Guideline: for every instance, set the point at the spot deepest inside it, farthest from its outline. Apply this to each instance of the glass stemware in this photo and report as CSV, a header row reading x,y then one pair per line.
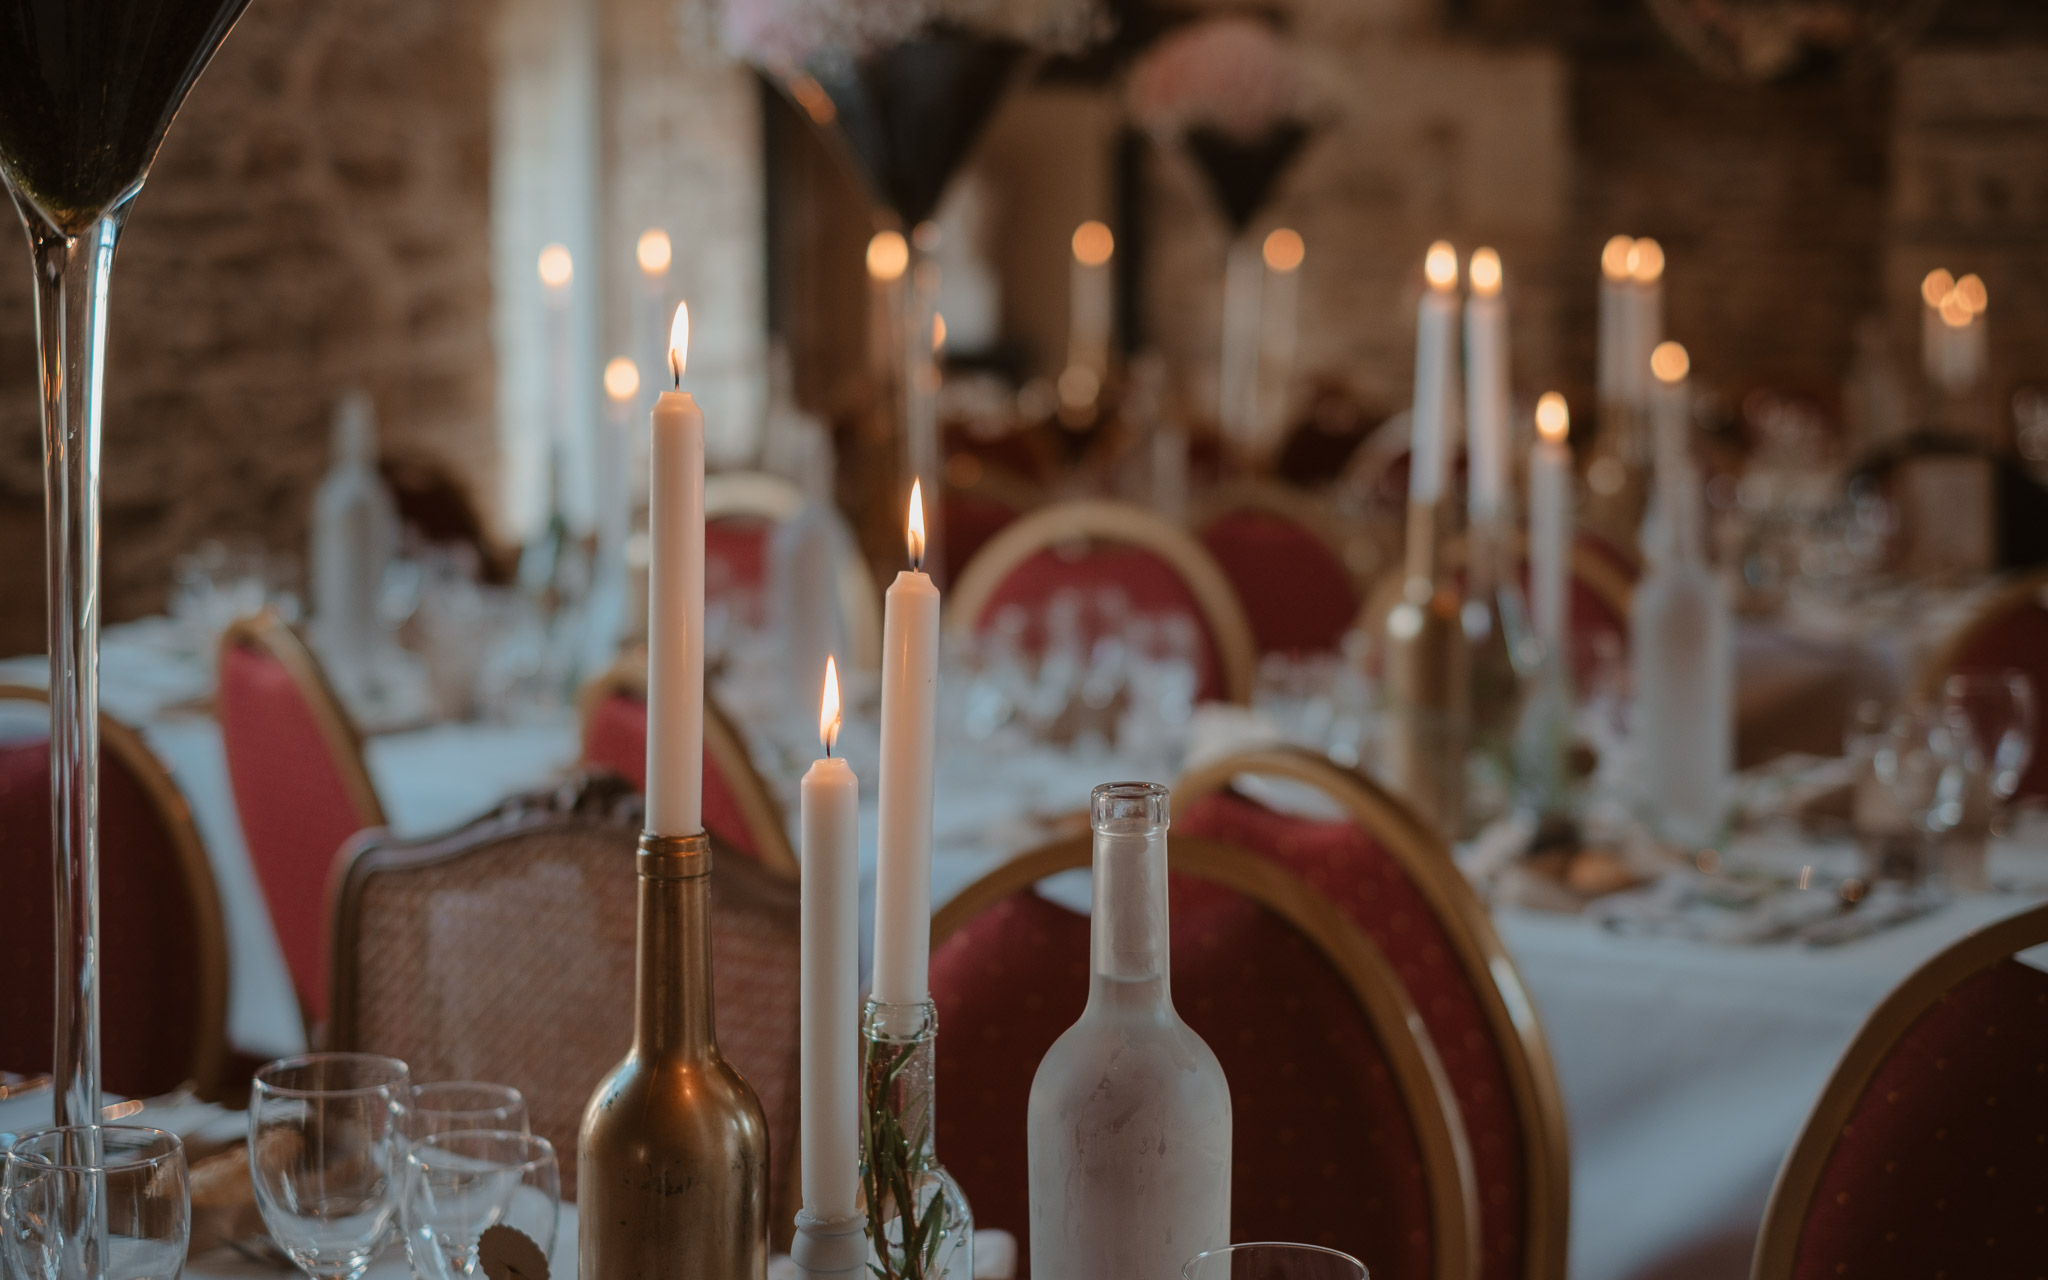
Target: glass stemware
x,y
1273,1261
448,1106
462,1184
325,1153
2000,711
95,1202
87,89
1927,762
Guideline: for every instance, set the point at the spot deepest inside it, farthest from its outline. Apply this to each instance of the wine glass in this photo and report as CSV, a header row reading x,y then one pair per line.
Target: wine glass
x,y
451,1105
95,1202
1927,763
465,1185
1272,1260
2000,710
87,89
325,1143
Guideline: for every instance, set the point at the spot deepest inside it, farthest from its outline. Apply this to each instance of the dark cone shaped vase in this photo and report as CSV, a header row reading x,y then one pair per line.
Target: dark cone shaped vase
x,y
1242,174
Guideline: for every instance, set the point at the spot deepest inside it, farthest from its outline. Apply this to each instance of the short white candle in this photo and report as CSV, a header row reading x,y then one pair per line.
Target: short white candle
x,y
1550,523
830,980
910,682
1486,386
675,603
1435,331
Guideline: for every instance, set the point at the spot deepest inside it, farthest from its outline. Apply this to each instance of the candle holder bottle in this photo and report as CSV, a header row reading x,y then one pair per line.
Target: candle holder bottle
x,y
1128,1127
672,1158
919,1224
1428,681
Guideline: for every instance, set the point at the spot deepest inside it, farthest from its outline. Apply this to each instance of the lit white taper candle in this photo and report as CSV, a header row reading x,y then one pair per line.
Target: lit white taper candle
x,y
1550,522
1435,332
675,603
1646,316
1615,316
1486,386
1670,414
910,684
1090,305
830,981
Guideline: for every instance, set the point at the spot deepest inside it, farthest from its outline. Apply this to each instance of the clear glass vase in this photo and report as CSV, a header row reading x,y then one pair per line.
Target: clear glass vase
x,y
919,1223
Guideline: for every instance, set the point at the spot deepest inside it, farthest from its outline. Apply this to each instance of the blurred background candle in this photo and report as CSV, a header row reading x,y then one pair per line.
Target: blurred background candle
x,y
1550,522
1486,386
1279,307
1090,303
830,808
1670,414
910,680
1614,322
675,603
606,617
1646,318
654,254
1435,331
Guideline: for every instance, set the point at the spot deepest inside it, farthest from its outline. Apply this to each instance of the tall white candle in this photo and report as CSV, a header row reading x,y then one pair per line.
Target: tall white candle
x,y
1279,320
1646,316
1550,522
1486,386
910,683
1614,322
830,979
654,254
1435,331
557,275
675,604
1670,413
1090,306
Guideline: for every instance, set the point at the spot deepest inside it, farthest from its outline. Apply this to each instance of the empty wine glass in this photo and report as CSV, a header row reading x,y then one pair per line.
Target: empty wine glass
x,y
94,1202
463,1184
324,1152
1925,762
1272,1260
2000,710
451,1105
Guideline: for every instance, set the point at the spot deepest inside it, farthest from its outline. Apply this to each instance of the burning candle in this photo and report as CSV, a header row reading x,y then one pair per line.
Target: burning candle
x,y
1614,321
655,255
1434,334
1279,303
675,604
1670,410
910,682
1646,316
830,978
1486,386
1550,521
1090,309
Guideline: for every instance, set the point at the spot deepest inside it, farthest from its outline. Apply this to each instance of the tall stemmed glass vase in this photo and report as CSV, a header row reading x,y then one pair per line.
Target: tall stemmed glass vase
x,y
87,89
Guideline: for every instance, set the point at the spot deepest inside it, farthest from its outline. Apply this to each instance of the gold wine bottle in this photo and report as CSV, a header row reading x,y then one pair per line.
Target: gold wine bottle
x,y
1428,681
672,1160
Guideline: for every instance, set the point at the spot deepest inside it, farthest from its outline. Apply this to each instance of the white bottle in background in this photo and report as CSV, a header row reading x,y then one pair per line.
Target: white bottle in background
x,y
354,536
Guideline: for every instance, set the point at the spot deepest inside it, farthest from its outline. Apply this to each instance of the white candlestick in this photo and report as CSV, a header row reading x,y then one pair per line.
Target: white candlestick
x,y
675,605
1486,387
1435,331
830,981
903,874
1646,317
1090,306
1550,523
1614,322
1670,411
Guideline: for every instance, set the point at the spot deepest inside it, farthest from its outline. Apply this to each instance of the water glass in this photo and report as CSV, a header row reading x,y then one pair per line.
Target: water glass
x,y
1272,1260
94,1202
452,1105
326,1155
1925,762
462,1184
2000,710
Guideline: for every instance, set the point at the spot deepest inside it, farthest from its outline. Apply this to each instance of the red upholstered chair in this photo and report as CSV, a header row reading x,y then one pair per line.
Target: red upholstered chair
x,y
1090,544
1286,571
301,790
1381,866
738,807
1926,1154
1343,1130
163,951
741,510
2008,631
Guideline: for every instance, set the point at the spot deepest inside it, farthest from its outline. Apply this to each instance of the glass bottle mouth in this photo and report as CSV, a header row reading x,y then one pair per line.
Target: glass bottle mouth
x,y
1129,808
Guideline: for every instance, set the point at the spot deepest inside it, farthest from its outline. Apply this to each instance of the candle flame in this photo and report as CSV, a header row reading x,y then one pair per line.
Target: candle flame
x,y
1937,284
1485,272
621,379
1553,418
557,268
1956,313
1093,243
1646,261
1441,266
1669,362
828,708
679,343
915,535
1284,250
1614,257
654,251
1970,291
938,331
888,255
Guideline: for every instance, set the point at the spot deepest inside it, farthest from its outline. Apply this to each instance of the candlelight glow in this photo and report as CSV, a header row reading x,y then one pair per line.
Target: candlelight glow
x,y
679,342
1669,362
1970,291
938,331
811,96
557,268
1093,243
1284,250
1937,284
1553,419
1614,257
915,534
622,379
828,708
1955,313
1441,266
888,255
654,251
1646,261
1484,272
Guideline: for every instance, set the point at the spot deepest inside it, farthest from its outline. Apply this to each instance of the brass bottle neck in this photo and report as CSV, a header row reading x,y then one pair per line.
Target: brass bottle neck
x,y
672,1000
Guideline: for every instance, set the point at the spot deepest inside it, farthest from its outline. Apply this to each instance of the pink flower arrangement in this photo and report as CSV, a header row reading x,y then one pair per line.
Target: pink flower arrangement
x,y
1231,73
785,35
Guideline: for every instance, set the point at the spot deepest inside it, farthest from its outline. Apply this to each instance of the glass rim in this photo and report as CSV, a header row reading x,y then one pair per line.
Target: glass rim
x,y
538,1149
17,1154
2004,676
1294,1245
260,1080
506,1096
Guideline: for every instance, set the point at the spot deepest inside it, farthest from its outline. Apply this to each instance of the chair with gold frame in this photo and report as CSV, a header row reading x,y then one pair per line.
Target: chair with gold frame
x,y
163,944
1383,867
1293,566
295,765
1092,541
1010,973
759,495
1925,1152
738,807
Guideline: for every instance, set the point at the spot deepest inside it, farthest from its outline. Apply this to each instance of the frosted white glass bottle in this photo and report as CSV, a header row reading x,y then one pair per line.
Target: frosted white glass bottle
x,y
1129,1121
355,533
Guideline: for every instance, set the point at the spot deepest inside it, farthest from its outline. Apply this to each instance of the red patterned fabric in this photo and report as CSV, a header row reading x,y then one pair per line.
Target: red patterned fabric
x,y
2017,640
1942,1169
1148,580
1599,547
969,521
149,940
616,739
1343,862
1293,587
294,803
736,565
1322,1149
